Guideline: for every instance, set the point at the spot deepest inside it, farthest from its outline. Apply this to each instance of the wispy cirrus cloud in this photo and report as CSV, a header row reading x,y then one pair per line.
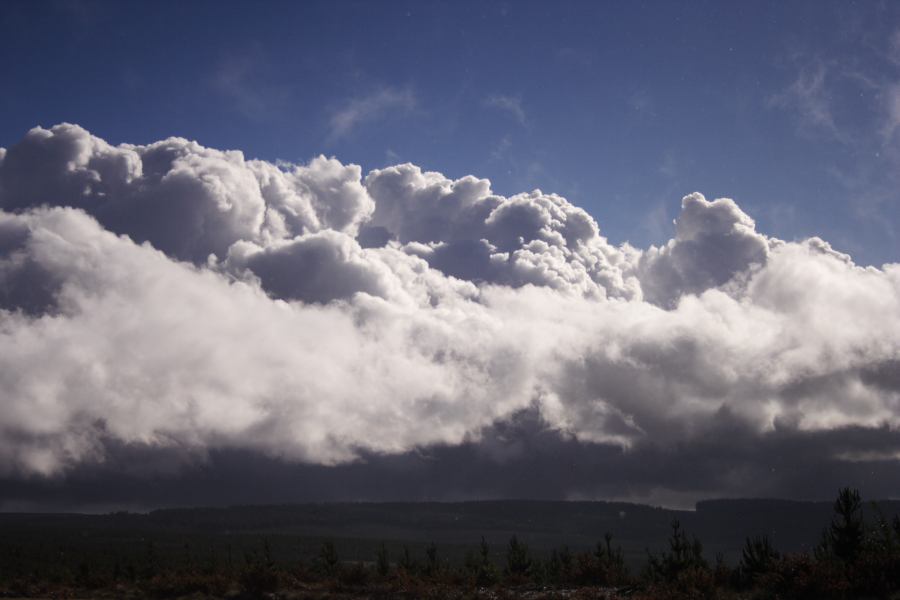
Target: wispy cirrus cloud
x,y
853,104
371,107
809,96
825,93
243,80
894,50
892,112
512,105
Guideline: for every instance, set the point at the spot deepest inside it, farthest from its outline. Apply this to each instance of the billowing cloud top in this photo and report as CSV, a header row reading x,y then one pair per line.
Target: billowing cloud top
x,y
176,296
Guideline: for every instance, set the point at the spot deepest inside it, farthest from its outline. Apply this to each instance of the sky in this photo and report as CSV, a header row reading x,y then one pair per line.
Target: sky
x,y
790,108
447,250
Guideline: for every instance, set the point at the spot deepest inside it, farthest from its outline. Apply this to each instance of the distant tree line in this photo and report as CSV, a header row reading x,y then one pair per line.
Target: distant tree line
x,y
855,558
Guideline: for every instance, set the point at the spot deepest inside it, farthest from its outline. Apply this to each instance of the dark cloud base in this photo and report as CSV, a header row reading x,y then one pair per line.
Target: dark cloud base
x,y
519,459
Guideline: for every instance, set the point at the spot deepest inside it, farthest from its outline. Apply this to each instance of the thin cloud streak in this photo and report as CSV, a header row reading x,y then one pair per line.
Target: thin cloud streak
x,y
809,96
511,105
367,109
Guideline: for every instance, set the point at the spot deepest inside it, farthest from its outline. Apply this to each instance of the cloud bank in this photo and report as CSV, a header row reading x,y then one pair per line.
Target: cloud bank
x,y
183,300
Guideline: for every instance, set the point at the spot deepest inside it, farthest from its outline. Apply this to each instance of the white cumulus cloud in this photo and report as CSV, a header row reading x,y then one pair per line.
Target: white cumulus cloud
x,y
176,296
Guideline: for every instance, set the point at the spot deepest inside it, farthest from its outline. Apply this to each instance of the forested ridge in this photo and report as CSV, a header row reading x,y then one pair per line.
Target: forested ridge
x,y
725,548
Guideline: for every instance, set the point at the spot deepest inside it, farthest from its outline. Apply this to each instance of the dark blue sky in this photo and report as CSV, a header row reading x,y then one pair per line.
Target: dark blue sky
x,y
790,108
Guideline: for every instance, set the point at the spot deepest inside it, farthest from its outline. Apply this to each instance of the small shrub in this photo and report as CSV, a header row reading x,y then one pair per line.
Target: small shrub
x,y
258,577
518,560
480,567
406,563
757,558
684,554
432,564
383,561
354,575
329,562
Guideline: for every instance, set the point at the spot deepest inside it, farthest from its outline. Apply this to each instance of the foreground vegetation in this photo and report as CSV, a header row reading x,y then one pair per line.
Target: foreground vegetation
x,y
857,556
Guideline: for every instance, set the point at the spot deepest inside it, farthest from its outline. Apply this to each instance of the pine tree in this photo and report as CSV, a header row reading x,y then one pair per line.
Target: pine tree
x,y
843,539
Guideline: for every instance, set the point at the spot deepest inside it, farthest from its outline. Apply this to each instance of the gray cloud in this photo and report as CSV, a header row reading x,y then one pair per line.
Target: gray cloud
x,y
186,200
714,242
178,301
318,267
534,238
518,458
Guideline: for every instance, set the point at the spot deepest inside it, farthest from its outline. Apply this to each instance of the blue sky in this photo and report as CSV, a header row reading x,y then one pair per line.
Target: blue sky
x,y
790,108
